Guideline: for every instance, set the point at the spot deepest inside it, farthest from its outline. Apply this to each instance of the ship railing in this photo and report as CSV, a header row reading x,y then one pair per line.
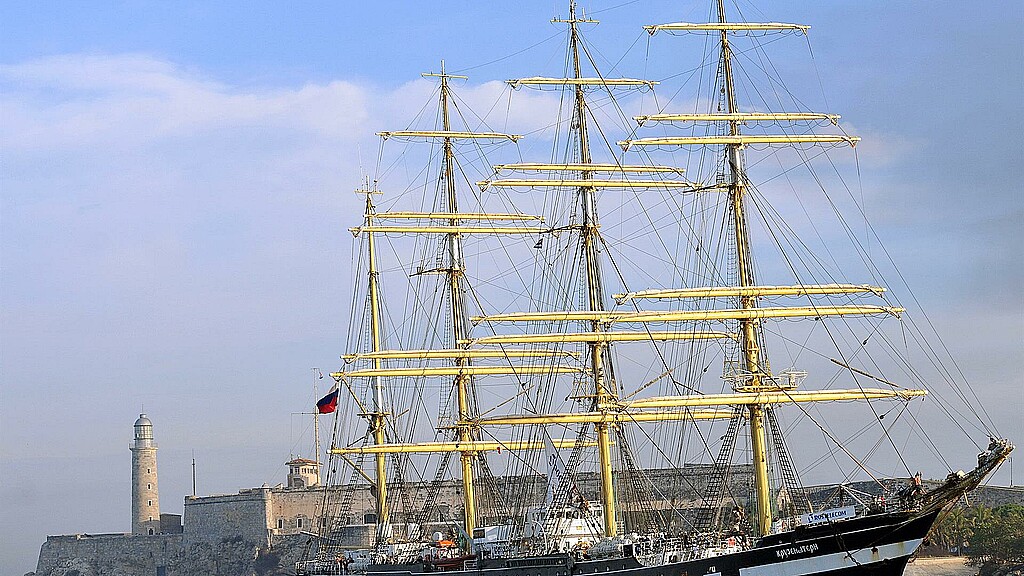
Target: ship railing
x,y
895,496
499,550
835,510
660,551
318,568
721,550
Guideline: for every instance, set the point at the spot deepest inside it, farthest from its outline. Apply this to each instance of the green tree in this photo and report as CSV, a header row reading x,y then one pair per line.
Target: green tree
x,y
953,529
998,536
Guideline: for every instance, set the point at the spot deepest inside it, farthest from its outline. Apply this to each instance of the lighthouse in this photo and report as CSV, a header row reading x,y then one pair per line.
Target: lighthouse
x,y
145,499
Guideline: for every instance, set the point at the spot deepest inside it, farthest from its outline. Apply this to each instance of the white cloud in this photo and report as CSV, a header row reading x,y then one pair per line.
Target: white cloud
x,y
124,101
158,222
883,148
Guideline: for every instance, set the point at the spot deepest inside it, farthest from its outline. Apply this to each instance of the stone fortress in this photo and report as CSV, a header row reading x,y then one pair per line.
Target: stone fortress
x,y
265,530
220,534
254,531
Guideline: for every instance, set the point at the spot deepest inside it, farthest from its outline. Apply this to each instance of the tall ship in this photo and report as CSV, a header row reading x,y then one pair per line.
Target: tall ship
x,y
559,339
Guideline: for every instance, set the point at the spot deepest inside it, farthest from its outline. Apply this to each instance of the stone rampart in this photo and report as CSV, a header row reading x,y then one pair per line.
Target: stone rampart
x,y
165,555
108,555
246,515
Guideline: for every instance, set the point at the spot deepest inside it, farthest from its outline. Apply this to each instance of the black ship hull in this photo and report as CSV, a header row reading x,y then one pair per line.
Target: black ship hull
x,y
878,545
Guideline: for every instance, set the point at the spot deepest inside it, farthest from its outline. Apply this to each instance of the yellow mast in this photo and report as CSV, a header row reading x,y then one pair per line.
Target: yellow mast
x,y
378,416
462,367
749,328
460,323
754,374
604,391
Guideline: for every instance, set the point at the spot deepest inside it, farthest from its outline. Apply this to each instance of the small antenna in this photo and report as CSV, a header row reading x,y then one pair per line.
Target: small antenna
x,y
193,473
359,157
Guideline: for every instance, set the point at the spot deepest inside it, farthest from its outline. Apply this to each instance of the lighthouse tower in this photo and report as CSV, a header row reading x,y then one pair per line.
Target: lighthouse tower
x,y
145,501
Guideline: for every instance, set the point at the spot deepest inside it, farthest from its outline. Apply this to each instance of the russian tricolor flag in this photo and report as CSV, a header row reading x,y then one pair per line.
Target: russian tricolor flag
x,y
328,403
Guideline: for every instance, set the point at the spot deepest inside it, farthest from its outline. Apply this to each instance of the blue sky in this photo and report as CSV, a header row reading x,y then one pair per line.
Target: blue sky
x,y
175,191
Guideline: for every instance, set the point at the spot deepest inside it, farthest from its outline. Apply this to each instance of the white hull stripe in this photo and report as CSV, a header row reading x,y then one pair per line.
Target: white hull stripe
x,y
835,561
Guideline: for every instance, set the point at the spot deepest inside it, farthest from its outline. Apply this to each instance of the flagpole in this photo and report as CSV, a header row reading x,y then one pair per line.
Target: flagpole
x,y
316,426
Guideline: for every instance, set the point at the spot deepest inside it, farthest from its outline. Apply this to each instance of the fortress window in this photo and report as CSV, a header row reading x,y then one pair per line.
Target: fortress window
x,y
280,523
150,503
298,522
149,486
150,531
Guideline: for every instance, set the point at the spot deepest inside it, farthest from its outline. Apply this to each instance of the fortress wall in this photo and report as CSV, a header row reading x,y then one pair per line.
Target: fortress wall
x,y
995,496
673,489
295,510
164,555
211,519
363,503
107,554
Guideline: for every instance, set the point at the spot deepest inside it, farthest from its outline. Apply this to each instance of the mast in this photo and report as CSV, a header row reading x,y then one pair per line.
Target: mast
x,y
377,417
750,327
604,391
459,319
605,395
450,230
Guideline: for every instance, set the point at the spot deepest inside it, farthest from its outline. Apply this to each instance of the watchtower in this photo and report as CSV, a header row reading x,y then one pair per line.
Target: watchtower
x,y
303,473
